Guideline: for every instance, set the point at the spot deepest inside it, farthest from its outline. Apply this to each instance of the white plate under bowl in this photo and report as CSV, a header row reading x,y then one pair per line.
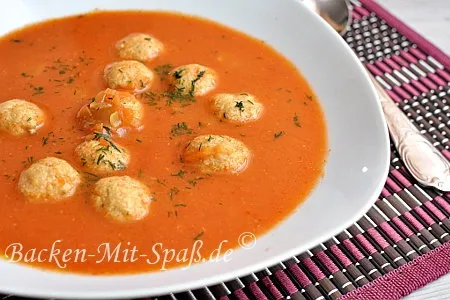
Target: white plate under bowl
x,y
355,172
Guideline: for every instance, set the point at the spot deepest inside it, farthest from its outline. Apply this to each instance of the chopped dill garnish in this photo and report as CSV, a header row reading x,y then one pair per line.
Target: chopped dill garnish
x,y
91,176
100,158
180,205
37,90
106,136
179,174
161,182
194,182
180,129
173,191
199,75
199,235
296,120
240,106
103,149
177,73
177,95
163,70
151,97
278,134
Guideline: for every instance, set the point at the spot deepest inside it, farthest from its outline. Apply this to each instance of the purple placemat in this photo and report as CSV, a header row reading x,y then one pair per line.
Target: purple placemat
x,y
402,242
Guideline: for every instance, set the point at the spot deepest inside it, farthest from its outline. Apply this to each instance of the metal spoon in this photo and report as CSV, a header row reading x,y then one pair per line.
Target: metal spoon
x,y
426,164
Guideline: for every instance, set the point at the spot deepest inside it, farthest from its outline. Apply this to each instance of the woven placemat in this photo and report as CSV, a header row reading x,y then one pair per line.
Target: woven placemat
x,y
401,243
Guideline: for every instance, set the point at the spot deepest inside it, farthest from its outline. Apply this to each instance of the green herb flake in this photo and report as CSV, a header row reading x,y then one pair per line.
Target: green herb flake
x,y
240,105
100,158
180,129
150,97
296,121
179,174
37,90
139,140
106,136
177,73
278,134
180,205
177,95
163,70
193,82
91,176
161,182
173,191
199,235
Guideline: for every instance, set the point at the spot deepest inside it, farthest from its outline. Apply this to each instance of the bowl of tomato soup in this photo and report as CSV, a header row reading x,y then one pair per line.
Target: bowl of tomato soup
x,y
150,147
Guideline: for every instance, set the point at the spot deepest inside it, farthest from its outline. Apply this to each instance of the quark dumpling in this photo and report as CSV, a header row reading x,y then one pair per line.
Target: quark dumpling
x,y
193,79
217,154
102,156
19,117
240,107
114,109
49,180
128,75
122,198
139,46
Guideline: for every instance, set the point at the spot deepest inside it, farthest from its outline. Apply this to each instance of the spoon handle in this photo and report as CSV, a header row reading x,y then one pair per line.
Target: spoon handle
x,y
422,159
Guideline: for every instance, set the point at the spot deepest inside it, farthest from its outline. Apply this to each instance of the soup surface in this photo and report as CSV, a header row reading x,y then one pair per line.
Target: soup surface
x,y
59,66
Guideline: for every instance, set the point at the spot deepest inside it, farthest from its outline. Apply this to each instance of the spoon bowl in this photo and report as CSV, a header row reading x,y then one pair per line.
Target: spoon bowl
x,y
335,13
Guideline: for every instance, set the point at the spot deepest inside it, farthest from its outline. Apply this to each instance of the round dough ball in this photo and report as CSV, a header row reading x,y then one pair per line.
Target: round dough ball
x,y
102,157
217,154
114,109
139,46
242,107
49,180
19,117
193,79
122,198
128,75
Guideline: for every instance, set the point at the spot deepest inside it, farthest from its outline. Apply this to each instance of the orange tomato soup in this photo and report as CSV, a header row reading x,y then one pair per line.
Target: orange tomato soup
x,y
59,65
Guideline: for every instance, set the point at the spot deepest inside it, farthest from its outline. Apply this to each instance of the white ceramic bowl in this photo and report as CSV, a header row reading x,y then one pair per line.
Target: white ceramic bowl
x,y
358,139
